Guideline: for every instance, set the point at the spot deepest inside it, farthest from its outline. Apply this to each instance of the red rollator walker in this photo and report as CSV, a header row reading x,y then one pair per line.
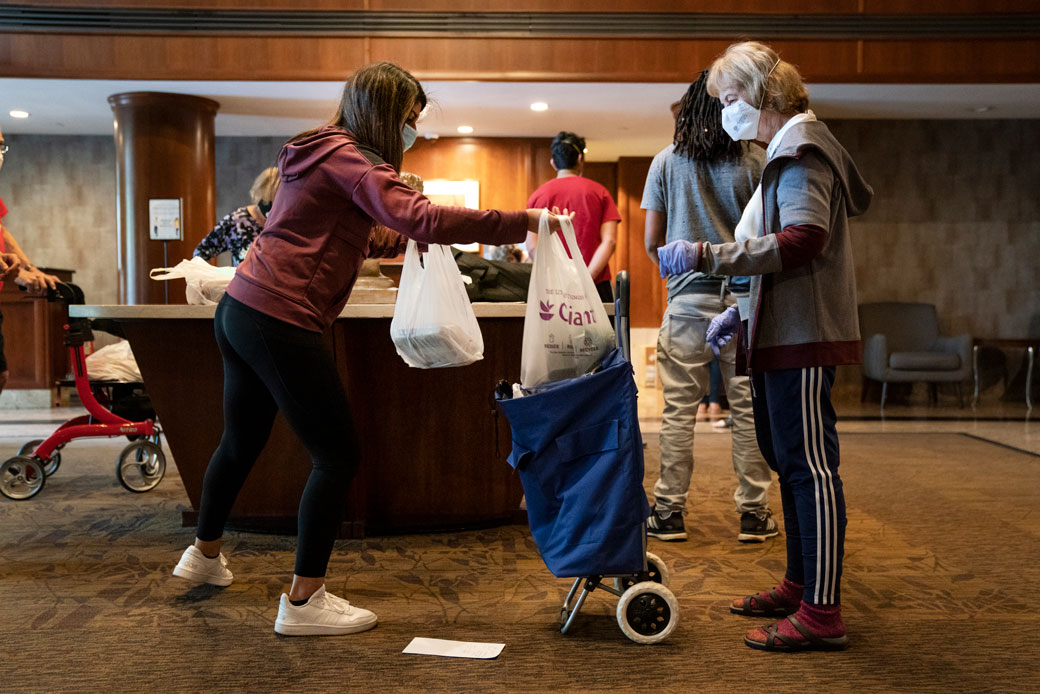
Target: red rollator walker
x,y
140,466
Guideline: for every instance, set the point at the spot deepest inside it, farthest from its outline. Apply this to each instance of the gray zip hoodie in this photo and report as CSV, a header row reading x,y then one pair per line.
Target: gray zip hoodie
x,y
804,315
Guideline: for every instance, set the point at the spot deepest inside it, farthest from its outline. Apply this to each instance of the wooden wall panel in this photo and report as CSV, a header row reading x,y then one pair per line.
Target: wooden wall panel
x,y
951,61
648,295
684,6
179,57
604,173
537,59
680,6
948,6
619,60
508,169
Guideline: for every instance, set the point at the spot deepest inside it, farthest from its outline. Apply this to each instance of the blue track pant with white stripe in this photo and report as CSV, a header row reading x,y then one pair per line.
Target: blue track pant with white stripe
x,y
795,426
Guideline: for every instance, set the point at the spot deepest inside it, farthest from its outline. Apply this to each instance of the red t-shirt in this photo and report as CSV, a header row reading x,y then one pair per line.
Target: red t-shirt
x,y
591,204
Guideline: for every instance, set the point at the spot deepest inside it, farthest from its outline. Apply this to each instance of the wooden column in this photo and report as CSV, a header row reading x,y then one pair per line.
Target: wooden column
x,y
164,150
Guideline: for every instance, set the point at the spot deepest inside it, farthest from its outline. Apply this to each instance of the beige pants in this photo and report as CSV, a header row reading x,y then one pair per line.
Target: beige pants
x,y
682,362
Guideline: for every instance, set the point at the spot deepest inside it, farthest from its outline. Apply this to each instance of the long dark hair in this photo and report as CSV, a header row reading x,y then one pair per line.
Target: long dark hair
x,y
698,126
376,102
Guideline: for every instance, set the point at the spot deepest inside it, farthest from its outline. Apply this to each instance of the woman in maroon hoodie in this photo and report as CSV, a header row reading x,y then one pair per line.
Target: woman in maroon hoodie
x,y
337,182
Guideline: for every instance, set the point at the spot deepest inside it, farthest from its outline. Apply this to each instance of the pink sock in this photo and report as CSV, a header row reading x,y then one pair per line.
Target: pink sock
x,y
789,591
822,620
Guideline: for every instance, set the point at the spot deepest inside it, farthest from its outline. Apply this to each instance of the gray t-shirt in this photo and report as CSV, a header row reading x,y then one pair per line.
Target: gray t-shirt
x,y
703,201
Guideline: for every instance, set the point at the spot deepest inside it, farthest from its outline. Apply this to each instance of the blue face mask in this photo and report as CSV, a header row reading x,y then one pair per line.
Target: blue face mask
x,y
409,134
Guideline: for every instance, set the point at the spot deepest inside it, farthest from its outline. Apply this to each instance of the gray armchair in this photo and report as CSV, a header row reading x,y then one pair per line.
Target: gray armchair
x,y
901,344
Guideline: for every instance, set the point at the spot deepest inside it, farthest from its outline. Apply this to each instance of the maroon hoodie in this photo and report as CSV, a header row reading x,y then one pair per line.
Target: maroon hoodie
x,y
302,266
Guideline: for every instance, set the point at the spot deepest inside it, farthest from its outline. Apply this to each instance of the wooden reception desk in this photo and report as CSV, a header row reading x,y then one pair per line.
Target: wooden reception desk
x,y
433,444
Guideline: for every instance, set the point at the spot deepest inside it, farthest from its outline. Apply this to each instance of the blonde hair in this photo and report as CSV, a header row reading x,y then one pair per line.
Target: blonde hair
x,y
413,181
760,76
265,185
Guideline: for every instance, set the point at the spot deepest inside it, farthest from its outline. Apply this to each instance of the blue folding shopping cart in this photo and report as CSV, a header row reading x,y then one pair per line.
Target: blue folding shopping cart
x,y
579,453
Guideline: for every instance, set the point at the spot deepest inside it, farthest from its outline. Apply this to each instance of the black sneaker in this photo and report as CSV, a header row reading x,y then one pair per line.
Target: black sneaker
x,y
666,526
755,528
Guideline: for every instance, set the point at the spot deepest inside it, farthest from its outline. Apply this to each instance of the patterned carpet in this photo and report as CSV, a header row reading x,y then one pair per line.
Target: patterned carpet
x,y
939,592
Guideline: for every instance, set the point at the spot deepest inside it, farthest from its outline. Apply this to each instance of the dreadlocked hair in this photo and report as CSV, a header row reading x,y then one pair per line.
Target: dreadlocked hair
x,y
698,126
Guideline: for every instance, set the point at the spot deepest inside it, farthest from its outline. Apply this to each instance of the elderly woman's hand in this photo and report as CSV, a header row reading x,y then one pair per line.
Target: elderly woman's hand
x,y
722,329
678,257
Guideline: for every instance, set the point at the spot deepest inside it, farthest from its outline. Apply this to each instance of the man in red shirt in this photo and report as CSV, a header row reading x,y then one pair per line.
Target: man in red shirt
x,y
595,214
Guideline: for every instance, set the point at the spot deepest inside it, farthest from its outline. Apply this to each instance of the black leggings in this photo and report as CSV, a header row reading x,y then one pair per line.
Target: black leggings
x,y
272,366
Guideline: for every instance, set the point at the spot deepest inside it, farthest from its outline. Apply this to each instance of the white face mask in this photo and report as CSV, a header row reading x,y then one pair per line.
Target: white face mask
x,y
1,160
740,120
409,134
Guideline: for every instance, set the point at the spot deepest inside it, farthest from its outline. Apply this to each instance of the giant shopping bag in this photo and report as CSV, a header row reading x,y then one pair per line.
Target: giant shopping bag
x,y
566,329
579,453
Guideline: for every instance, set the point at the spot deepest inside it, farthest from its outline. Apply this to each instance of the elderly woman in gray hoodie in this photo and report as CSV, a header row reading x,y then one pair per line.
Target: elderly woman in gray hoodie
x,y
802,323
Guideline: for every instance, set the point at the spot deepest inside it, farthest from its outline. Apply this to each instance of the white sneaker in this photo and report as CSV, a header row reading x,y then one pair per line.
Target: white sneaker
x,y
323,614
198,568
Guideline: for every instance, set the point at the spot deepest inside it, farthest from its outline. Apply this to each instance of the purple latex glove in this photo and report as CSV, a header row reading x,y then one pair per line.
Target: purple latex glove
x,y
722,328
678,257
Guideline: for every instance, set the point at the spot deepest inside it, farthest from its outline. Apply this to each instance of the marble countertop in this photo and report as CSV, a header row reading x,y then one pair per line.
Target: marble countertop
x,y
184,311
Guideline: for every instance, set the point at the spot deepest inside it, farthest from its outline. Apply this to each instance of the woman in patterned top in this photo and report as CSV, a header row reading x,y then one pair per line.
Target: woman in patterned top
x,y
235,233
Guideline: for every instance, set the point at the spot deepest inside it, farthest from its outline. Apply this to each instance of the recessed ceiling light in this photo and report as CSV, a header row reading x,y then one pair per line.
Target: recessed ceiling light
x,y
19,114
539,106
465,129
981,109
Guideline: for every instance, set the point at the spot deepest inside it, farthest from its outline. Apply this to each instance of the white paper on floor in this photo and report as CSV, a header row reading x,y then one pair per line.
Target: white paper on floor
x,y
454,649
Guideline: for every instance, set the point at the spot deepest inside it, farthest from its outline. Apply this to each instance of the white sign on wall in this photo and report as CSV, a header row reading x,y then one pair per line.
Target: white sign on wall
x,y
164,219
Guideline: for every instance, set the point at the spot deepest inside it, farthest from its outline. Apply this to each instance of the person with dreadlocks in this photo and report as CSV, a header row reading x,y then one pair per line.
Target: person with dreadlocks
x,y
696,189
593,210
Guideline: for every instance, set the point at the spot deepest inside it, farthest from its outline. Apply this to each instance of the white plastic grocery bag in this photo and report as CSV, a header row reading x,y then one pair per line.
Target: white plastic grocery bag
x,y
434,325
205,283
566,329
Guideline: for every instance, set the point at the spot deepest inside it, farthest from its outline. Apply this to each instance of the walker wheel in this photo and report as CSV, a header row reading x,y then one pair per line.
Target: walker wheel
x,y
647,612
21,477
141,466
49,466
657,569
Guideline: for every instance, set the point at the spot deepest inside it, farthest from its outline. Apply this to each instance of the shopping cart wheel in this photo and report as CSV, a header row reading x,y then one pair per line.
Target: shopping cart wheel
x,y
21,477
49,466
647,612
657,569
141,466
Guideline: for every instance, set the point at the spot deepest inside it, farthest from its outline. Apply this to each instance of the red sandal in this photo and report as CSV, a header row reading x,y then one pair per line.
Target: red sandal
x,y
775,641
769,604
